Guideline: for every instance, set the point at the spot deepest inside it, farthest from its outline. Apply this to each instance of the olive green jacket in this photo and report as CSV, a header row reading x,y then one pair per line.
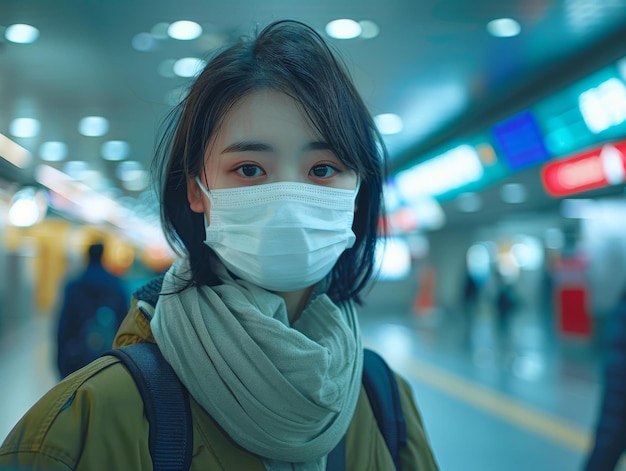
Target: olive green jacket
x,y
93,420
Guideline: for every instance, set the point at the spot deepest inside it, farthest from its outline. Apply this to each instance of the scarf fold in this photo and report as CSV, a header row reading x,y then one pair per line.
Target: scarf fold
x,y
284,392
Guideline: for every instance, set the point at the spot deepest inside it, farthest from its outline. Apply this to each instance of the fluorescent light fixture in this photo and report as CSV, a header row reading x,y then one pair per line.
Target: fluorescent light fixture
x,y
188,66
21,34
604,106
53,151
93,126
343,29
115,150
452,169
388,123
14,153
184,30
24,127
503,27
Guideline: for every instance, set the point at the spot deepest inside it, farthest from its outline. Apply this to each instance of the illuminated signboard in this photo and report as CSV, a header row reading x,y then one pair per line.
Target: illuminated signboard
x,y
594,169
520,141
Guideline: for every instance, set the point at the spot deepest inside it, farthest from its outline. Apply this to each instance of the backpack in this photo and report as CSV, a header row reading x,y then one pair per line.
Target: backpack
x,y
166,405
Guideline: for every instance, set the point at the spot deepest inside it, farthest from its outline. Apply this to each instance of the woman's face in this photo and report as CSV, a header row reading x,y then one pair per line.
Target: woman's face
x,y
266,138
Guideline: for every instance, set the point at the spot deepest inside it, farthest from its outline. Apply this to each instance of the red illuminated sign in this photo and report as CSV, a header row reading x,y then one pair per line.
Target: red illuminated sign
x,y
597,168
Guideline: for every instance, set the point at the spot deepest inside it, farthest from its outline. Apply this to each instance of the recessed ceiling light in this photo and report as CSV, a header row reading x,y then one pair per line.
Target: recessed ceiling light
x,y
343,29
504,27
166,68
75,169
115,150
24,127
143,42
21,34
369,29
53,151
184,30
188,66
159,30
93,126
389,123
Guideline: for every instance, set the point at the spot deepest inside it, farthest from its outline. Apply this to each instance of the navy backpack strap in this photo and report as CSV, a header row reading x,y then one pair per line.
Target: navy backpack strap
x,y
166,405
382,390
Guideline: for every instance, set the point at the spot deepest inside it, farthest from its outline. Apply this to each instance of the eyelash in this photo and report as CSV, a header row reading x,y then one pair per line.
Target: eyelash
x,y
242,168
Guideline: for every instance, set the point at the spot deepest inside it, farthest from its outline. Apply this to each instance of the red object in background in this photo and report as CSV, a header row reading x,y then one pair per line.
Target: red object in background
x,y
571,296
596,168
573,316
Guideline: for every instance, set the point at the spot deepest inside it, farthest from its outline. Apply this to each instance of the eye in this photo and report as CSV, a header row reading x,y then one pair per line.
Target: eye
x,y
249,170
323,171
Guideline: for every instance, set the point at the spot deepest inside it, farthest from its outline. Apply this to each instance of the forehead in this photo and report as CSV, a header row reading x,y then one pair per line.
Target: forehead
x,y
268,114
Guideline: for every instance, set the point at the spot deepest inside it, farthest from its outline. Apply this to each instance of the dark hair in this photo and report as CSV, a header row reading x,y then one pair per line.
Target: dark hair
x,y
290,57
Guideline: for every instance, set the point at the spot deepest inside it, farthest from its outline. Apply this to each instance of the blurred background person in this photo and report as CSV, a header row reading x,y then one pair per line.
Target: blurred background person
x,y
94,305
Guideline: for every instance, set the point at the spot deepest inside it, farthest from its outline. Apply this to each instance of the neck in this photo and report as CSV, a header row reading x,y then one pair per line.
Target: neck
x,y
296,302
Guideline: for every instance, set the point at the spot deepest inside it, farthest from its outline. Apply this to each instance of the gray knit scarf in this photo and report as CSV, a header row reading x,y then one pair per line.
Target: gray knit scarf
x,y
284,392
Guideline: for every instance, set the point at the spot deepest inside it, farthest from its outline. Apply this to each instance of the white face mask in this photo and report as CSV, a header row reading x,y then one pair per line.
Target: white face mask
x,y
280,236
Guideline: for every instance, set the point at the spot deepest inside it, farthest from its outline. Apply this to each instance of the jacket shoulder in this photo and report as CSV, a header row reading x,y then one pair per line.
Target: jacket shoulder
x,y
71,427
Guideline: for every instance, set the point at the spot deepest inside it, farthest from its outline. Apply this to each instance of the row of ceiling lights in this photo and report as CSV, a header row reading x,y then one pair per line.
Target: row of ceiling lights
x,y
96,126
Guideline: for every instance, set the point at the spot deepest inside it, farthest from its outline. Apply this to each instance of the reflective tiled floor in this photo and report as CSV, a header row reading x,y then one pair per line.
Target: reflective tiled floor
x,y
515,400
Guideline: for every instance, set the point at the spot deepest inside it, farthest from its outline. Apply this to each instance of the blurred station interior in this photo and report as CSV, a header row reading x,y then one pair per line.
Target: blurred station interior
x,y
505,124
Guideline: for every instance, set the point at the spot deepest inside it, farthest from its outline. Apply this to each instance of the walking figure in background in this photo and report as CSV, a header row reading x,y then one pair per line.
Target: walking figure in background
x,y
505,302
610,433
94,305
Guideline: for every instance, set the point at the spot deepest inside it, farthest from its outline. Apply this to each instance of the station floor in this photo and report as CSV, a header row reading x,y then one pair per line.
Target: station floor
x,y
521,399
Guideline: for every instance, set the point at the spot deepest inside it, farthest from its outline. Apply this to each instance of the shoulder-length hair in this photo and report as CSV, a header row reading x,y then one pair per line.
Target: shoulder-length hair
x,y
290,57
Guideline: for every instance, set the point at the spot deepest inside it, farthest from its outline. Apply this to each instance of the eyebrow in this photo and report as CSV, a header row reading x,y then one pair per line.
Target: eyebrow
x,y
252,146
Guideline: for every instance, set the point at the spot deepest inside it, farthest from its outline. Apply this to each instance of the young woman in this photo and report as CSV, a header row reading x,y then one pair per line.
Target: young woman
x,y
271,178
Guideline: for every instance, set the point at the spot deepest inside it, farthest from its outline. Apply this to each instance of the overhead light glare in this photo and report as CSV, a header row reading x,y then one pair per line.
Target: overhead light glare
x,y
188,66
115,150
24,127
93,126
504,28
53,151
389,123
184,30
343,29
453,169
21,34
13,152
604,106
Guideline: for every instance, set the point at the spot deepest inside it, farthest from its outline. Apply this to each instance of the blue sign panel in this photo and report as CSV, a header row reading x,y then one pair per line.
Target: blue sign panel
x,y
520,141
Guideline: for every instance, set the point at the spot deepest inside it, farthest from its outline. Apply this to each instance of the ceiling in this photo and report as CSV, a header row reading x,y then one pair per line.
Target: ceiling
x,y
433,63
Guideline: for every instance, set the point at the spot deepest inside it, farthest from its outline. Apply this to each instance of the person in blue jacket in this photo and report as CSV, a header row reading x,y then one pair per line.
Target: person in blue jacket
x,y
94,305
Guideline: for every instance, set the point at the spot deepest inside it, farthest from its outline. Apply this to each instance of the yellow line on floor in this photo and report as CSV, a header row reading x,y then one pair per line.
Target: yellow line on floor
x,y
498,404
